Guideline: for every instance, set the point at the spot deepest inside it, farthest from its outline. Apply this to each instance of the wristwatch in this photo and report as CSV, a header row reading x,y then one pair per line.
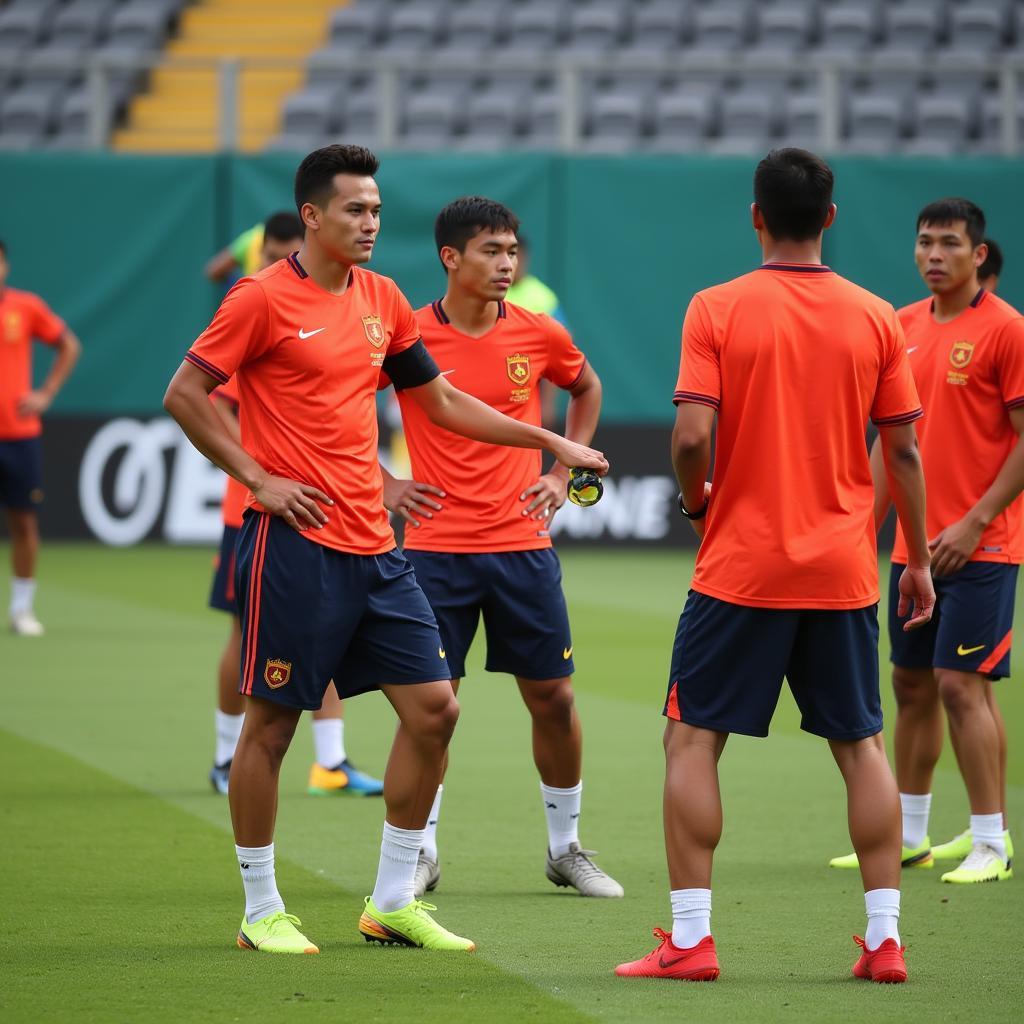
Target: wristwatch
x,y
700,514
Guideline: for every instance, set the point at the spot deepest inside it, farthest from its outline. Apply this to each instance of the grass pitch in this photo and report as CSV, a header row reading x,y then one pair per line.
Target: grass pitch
x,y
121,894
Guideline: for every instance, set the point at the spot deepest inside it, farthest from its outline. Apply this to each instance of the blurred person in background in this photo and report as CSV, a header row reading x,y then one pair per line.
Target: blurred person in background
x,y
989,271
255,248
25,318
332,771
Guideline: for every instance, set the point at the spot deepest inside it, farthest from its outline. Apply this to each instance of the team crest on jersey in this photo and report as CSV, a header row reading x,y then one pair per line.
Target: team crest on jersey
x,y
518,368
960,354
12,326
374,328
277,673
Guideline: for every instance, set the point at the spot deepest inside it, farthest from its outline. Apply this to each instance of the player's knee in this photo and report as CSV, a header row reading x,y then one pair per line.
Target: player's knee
x,y
960,692
22,525
438,722
555,706
913,687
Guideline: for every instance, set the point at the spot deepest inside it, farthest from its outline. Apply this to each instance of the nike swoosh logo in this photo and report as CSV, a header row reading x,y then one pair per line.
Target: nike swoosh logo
x,y
567,653
914,349
444,373
440,651
666,964
964,651
303,335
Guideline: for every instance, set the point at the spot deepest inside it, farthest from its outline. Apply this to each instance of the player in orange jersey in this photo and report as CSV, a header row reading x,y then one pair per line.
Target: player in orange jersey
x,y
488,551
323,593
24,317
332,771
793,360
966,349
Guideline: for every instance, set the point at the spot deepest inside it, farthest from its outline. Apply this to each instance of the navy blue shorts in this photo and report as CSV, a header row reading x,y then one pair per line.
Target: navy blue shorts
x,y
520,596
310,614
222,593
729,661
972,628
21,473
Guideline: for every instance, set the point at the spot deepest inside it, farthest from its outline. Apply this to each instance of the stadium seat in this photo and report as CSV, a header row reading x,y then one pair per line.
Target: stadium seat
x,y
682,119
430,120
904,85
51,68
358,25
991,123
876,122
975,29
543,121
142,25
311,111
535,27
751,115
21,25
411,28
596,27
661,25
912,27
782,28
81,22
616,122
492,114
847,28
944,118
476,26
721,28
801,120
27,113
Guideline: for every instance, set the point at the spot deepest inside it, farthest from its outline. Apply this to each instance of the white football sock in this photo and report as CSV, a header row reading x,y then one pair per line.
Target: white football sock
x,y
988,829
228,729
883,907
430,832
399,851
691,916
916,807
257,866
329,741
562,810
23,593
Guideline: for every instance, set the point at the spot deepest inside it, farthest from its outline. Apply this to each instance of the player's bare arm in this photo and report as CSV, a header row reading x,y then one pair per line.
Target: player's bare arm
x,y
905,478
221,265
35,403
228,415
463,414
410,498
955,544
691,456
548,494
883,499
188,401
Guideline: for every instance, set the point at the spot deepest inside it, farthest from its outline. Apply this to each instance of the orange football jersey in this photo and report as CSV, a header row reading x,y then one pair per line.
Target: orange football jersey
x,y
969,372
795,359
308,364
482,511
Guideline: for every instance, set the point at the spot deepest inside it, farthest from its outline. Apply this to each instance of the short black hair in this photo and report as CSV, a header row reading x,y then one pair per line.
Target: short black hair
x,y
283,226
993,265
793,190
314,179
947,211
465,218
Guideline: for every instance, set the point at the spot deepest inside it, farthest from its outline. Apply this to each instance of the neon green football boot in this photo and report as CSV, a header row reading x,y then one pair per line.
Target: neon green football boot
x,y
982,864
412,925
911,857
958,847
275,933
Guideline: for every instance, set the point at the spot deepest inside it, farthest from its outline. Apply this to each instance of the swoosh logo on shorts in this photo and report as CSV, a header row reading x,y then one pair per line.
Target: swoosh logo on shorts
x,y
964,651
566,653
440,652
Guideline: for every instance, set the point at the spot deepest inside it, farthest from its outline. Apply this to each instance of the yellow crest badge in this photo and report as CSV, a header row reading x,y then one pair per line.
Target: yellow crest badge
x,y
960,354
518,369
277,673
374,329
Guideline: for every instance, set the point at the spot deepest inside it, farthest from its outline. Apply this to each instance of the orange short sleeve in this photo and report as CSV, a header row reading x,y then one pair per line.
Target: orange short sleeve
x,y
700,373
1010,366
406,331
46,325
238,333
896,399
565,361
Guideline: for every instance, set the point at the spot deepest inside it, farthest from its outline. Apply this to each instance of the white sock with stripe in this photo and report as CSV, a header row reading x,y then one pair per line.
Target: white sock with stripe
x,y
257,866
562,810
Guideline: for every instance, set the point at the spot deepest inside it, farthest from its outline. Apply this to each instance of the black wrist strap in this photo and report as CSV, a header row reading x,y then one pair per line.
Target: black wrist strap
x,y
700,514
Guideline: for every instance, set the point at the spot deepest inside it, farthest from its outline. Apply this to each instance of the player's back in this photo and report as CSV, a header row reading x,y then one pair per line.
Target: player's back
x,y
802,358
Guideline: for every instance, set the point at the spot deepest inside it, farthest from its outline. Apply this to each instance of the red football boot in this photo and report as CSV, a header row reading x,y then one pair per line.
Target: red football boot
x,y
698,963
884,965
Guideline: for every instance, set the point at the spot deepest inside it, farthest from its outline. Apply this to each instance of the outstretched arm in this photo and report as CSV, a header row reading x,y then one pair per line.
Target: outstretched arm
x,y
463,414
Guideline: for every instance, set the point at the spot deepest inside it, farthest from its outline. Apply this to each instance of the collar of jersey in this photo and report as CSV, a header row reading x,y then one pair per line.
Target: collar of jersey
x,y
442,316
800,268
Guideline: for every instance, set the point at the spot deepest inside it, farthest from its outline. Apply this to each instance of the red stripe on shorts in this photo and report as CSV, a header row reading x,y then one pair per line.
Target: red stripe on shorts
x,y
997,655
672,706
253,606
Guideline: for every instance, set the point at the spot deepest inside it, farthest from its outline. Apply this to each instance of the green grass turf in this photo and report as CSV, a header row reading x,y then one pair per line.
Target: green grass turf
x,y
121,896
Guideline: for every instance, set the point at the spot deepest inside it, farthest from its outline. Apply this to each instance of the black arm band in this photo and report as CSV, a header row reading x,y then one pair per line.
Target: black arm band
x,y
693,516
411,368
